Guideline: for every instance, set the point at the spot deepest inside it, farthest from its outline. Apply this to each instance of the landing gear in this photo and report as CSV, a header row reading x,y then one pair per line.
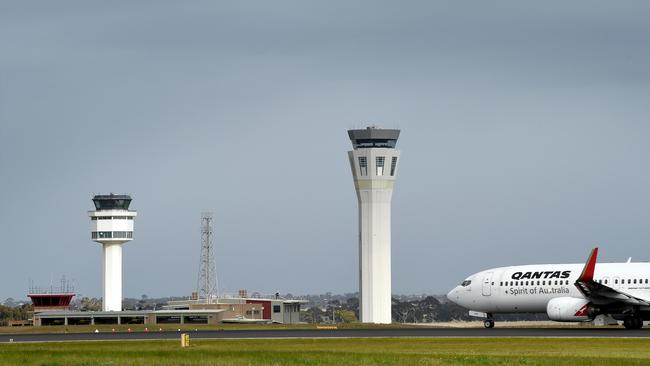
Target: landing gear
x,y
633,323
488,323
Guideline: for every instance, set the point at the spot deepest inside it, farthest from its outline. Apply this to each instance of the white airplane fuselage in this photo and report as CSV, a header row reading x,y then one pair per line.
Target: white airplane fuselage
x,y
529,288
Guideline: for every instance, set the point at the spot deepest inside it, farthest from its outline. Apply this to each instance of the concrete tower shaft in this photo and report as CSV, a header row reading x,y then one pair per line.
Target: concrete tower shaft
x,y
112,226
374,162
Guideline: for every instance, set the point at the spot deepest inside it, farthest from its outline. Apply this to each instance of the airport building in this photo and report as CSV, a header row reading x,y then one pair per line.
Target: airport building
x,y
273,310
112,226
374,162
223,310
51,298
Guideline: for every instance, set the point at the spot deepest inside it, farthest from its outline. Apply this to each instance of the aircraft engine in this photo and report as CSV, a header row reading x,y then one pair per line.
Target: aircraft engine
x,y
569,309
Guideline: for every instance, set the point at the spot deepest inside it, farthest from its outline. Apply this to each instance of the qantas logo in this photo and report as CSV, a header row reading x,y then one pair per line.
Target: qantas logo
x,y
584,311
538,275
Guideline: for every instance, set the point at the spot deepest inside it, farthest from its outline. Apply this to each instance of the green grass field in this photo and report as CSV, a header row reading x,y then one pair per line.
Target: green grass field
x,y
455,351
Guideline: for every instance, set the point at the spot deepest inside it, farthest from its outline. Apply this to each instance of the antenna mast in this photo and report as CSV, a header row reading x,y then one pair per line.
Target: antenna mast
x,y
207,283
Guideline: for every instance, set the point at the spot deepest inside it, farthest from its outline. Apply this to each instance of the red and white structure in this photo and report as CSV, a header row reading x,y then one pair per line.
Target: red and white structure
x,y
51,298
112,226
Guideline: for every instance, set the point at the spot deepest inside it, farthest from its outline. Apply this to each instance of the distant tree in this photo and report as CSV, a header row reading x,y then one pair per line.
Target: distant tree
x,y
20,312
90,304
346,316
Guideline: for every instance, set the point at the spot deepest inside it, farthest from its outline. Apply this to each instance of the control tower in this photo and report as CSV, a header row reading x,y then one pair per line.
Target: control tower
x,y
374,167
112,225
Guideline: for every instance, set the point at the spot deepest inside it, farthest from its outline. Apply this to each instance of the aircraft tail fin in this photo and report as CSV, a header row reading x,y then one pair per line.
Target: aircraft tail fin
x,y
587,274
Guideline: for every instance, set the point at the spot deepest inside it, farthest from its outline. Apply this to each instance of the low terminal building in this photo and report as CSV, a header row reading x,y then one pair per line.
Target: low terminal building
x,y
222,310
272,310
129,317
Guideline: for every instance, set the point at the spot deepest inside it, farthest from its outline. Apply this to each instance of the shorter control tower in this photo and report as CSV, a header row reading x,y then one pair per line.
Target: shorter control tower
x,y
112,225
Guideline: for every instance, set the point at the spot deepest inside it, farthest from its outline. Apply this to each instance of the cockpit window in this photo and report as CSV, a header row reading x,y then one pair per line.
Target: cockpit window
x,y
466,283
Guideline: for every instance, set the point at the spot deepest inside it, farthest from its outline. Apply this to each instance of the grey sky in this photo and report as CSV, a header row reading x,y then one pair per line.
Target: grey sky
x,y
524,138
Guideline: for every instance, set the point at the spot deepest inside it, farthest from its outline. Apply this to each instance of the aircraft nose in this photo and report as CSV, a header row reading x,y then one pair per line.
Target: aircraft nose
x,y
453,295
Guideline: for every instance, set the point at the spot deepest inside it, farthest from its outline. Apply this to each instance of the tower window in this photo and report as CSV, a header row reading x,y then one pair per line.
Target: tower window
x,y
112,235
101,234
393,165
380,165
363,165
123,234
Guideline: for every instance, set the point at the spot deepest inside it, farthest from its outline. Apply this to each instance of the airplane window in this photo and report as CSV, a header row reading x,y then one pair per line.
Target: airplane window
x,y
646,280
537,283
526,283
500,283
629,281
606,281
635,281
543,282
555,282
616,282
466,283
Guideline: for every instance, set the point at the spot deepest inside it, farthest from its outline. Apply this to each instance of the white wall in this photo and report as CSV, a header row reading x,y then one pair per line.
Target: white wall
x,y
374,194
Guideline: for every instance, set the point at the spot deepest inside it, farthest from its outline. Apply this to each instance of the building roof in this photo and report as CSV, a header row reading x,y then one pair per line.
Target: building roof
x,y
112,201
373,137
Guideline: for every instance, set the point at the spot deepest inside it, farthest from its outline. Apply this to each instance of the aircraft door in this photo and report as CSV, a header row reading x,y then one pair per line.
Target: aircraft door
x,y
487,285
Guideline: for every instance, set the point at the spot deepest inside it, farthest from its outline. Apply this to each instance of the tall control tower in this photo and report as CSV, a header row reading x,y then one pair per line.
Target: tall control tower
x,y
112,226
374,168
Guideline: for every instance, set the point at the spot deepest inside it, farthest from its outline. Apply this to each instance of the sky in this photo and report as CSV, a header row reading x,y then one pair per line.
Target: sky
x,y
525,136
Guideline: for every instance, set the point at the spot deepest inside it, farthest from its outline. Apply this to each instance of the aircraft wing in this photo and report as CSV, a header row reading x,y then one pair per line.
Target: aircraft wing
x,y
601,293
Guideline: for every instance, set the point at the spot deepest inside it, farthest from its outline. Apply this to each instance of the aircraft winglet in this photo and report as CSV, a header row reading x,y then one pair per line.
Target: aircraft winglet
x,y
587,274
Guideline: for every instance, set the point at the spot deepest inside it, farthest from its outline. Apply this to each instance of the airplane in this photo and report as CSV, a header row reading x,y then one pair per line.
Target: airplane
x,y
565,292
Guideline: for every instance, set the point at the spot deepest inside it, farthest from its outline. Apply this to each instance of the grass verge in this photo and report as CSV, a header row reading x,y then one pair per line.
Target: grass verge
x,y
455,351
